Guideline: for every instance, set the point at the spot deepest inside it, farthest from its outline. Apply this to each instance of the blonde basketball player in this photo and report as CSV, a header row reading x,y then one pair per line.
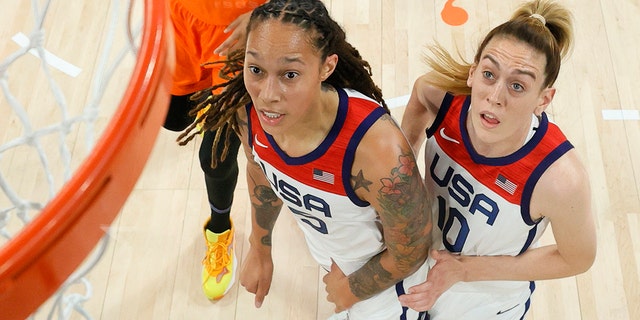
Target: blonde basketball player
x,y
499,172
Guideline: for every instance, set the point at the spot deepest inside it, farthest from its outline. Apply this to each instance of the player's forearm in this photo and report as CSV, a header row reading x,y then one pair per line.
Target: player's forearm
x,y
536,264
380,273
265,208
407,232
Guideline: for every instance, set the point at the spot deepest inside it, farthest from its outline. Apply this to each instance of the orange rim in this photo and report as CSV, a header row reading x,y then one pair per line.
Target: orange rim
x,y
37,261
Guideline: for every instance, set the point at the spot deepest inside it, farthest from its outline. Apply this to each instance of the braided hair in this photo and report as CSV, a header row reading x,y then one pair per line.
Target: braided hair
x,y
218,110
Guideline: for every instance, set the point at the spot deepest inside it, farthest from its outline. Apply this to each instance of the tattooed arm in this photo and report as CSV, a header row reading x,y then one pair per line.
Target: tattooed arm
x,y
257,270
385,174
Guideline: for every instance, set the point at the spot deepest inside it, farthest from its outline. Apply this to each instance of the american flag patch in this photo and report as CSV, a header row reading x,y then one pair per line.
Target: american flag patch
x,y
506,184
323,176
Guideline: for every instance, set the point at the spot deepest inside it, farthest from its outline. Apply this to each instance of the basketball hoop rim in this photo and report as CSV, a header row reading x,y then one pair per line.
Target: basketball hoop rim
x,y
133,128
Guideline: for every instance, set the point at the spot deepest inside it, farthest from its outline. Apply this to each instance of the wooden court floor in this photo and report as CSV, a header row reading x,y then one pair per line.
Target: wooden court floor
x,y
151,269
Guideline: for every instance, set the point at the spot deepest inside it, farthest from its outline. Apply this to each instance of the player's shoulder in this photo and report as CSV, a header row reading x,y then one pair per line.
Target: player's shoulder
x,y
384,142
565,177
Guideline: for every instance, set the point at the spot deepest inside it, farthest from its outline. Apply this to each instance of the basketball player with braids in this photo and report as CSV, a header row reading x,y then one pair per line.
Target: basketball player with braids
x,y
318,141
203,31
499,171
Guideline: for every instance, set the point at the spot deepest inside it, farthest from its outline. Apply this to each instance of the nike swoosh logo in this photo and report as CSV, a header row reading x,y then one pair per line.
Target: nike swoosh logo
x,y
446,137
505,311
255,138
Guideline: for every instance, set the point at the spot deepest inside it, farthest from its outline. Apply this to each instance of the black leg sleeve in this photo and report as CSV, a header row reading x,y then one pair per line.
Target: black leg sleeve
x,y
178,117
220,181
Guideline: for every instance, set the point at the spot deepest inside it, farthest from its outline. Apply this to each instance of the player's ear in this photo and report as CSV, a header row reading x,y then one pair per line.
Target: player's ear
x,y
470,77
546,96
329,65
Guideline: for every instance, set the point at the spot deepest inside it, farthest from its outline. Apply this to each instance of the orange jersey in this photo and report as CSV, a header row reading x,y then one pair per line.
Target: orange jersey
x,y
218,12
198,30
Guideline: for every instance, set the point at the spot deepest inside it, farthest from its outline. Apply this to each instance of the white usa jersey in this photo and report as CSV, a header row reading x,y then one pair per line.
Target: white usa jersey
x,y
317,189
482,208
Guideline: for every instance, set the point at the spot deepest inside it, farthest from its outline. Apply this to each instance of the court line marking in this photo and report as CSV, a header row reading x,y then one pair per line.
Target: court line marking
x,y
397,101
22,40
617,114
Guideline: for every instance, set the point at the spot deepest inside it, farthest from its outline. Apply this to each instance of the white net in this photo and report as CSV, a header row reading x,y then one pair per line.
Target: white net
x,y
64,67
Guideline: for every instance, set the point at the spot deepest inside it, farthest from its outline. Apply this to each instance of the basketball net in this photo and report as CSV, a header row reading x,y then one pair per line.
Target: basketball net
x,y
52,112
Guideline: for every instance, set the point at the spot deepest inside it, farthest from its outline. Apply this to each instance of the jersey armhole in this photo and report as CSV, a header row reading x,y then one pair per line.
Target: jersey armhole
x,y
350,154
444,108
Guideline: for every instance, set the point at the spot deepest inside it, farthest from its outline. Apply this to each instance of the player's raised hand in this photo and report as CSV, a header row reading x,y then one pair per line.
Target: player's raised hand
x,y
238,37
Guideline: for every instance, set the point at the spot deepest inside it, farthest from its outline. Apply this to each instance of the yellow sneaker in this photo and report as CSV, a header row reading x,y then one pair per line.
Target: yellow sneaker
x,y
200,113
218,265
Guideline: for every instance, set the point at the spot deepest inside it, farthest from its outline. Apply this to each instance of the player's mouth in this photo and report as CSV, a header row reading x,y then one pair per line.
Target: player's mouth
x,y
489,120
271,118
